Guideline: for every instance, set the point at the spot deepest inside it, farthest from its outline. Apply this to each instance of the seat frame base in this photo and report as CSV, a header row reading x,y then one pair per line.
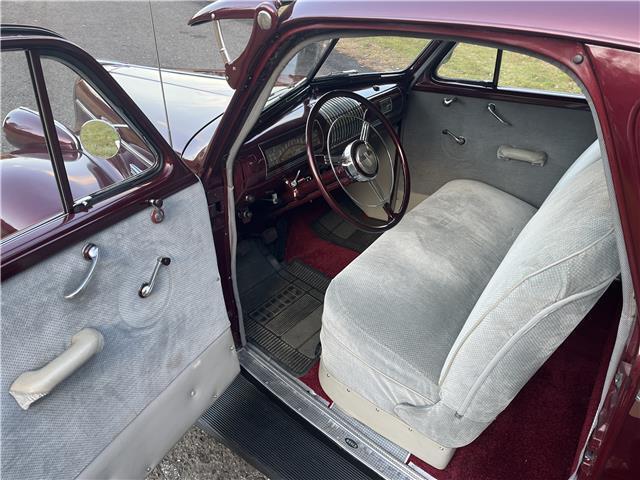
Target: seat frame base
x,y
384,423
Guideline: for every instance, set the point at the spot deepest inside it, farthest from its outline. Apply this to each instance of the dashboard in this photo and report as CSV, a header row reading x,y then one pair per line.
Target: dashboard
x,y
290,150
272,173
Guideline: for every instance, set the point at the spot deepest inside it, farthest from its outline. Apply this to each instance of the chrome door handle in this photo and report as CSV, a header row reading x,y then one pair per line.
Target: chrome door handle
x,y
147,287
35,384
459,139
92,253
492,110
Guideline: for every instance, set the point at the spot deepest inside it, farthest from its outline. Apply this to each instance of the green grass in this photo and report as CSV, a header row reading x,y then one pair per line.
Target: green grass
x,y
382,54
468,62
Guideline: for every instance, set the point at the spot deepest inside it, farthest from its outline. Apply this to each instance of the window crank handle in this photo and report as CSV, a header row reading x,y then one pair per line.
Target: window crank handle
x,y
147,287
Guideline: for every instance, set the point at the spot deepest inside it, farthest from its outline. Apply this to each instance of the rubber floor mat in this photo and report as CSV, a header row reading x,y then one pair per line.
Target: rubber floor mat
x,y
333,228
284,313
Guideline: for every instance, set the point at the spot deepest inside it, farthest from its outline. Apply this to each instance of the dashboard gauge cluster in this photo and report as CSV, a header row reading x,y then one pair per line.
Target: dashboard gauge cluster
x,y
292,150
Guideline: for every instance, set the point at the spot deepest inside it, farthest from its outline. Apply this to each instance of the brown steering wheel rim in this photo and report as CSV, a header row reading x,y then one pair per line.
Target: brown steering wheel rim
x,y
393,217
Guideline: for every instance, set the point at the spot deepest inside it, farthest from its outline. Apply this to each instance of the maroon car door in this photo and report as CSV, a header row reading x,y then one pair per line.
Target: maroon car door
x,y
115,336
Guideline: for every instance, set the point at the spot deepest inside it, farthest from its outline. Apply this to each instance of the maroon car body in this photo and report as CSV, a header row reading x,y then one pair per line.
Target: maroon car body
x,y
598,41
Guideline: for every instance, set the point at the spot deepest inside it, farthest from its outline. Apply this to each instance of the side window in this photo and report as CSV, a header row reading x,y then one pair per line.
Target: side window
x,y
468,62
523,72
93,150
500,69
110,150
29,192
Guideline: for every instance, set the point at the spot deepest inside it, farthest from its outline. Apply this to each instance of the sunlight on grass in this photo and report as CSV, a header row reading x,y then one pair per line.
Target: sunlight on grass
x,y
467,62
382,54
522,71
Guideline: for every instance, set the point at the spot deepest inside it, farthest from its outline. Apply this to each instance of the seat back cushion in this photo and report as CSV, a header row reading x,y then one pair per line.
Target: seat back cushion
x,y
553,274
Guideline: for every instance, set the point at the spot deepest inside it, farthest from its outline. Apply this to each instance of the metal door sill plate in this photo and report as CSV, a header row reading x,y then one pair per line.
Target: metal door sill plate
x,y
377,453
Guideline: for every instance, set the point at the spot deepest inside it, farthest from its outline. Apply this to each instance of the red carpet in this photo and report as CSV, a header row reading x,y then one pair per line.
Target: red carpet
x,y
304,245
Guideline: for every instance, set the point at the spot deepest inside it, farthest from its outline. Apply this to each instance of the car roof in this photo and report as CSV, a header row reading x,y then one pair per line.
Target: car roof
x,y
8,29
610,23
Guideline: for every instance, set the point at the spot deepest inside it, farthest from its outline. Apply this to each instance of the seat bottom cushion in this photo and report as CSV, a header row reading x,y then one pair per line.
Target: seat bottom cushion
x,y
391,317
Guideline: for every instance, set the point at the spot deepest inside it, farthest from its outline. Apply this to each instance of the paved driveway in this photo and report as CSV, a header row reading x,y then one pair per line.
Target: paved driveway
x,y
123,31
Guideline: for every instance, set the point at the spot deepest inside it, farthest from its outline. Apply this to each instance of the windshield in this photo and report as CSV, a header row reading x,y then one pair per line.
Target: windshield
x,y
372,55
299,68
349,56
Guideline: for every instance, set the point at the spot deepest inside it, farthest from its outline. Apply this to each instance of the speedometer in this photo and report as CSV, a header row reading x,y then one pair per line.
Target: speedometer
x,y
292,149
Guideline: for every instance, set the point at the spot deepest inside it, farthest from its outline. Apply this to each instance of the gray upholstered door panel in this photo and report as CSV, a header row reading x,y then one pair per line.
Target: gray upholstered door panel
x,y
435,158
149,343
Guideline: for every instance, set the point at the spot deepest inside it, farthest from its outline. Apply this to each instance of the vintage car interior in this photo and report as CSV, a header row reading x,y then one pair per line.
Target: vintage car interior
x,y
425,329
423,257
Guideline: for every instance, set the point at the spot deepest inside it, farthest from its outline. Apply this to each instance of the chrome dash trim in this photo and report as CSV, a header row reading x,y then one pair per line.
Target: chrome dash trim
x,y
387,461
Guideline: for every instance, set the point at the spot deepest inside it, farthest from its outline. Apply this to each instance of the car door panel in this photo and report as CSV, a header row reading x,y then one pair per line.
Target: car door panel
x,y
164,359
436,158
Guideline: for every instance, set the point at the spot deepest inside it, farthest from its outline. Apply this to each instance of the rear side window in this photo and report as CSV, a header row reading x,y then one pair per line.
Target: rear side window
x,y
499,69
523,72
468,62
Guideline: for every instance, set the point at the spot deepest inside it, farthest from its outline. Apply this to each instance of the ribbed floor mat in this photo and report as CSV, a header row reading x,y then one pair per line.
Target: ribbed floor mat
x,y
284,314
333,228
274,439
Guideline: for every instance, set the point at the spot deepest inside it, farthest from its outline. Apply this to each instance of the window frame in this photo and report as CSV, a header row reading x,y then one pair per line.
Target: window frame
x,y
492,86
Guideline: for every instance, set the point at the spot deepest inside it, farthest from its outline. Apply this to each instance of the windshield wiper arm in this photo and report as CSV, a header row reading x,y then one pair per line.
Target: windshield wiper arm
x,y
343,73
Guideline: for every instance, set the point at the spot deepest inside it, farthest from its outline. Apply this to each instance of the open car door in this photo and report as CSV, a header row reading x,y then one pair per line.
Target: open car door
x,y
115,335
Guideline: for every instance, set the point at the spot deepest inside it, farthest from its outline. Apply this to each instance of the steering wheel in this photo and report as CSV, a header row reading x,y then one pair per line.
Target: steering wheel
x,y
355,152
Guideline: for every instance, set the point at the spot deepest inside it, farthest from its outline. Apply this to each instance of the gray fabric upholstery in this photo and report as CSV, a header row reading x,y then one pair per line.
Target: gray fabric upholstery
x,y
383,309
555,271
435,158
147,342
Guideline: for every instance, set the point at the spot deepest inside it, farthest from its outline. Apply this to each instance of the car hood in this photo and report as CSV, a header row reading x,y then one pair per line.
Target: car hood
x,y
194,99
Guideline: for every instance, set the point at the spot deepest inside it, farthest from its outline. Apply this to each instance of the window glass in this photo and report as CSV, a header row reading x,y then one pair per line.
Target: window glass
x,y
28,189
99,147
299,68
469,62
372,55
525,72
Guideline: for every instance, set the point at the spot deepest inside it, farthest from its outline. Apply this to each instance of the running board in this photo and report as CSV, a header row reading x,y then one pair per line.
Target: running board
x,y
274,439
364,445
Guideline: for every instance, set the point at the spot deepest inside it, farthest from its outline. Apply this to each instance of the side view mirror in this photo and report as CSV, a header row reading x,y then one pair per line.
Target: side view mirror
x,y
100,139
22,128
264,14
